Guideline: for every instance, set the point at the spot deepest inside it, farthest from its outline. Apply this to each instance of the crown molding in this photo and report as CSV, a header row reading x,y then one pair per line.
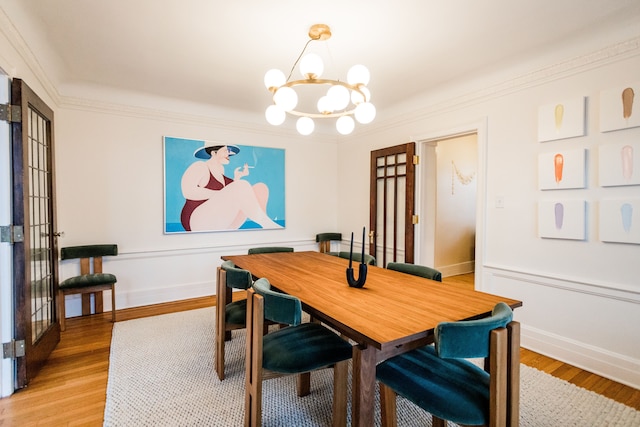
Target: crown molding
x,y
613,53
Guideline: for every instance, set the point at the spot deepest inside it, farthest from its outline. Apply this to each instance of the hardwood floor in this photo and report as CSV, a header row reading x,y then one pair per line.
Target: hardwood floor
x,y
71,388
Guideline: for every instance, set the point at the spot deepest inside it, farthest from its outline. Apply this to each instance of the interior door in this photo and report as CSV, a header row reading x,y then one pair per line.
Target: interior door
x,y
392,201
35,256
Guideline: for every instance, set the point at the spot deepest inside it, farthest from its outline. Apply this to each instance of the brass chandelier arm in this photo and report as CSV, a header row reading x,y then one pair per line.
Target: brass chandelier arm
x,y
322,82
321,115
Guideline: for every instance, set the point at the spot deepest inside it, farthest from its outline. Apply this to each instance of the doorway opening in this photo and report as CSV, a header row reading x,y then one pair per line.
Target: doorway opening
x,y
450,193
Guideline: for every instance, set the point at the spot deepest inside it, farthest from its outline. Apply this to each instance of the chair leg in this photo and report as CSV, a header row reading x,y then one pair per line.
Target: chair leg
x,y
340,376
86,304
388,413
438,422
253,361
221,334
99,305
113,303
513,379
303,384
61,311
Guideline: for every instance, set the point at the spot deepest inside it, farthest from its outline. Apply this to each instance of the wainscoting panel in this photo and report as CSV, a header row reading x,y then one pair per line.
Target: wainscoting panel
x,y
594,326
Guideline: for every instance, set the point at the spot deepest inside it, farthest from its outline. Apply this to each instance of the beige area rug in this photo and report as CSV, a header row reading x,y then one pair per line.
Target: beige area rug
x,y
161,374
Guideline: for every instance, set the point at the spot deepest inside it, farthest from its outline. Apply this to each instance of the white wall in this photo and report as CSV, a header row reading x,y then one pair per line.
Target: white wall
x,y
581,298
110,189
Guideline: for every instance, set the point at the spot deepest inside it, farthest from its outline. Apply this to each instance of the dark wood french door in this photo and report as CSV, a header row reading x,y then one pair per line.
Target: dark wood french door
x,y
392,201
35,265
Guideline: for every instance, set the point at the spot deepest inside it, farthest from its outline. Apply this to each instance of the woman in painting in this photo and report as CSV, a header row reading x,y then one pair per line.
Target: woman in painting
x,y
217,202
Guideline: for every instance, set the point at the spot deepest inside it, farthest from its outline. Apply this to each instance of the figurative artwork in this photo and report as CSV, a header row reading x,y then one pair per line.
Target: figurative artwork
x,y
620,220
215,186
562,169
619,108
619,164
562,219
561,120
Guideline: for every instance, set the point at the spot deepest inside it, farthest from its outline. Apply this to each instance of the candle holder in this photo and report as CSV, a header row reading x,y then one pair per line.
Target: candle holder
x,y
362,270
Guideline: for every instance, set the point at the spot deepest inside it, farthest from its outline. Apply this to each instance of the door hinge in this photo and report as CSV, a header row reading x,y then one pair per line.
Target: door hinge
x,y
415,219
11,233
416,160
13,349
10,113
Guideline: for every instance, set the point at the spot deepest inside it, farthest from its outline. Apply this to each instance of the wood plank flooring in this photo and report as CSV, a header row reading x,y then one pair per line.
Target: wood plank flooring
x,y
71,388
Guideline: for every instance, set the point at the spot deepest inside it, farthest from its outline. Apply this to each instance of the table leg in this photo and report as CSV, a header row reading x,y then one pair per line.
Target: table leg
x,y
364,386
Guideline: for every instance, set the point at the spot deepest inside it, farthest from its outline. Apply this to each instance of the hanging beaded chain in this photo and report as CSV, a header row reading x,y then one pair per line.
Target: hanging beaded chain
x,y
464,179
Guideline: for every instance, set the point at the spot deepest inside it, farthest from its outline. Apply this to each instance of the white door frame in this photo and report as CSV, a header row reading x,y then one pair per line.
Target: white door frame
x,y
424,143
6,250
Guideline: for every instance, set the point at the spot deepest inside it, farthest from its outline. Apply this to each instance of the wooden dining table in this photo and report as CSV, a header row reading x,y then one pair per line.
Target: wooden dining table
x,y
393,313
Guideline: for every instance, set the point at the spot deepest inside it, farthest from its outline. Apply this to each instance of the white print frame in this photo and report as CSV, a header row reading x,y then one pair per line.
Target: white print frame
x,y
620,221
620,107
619,164
562,120
562,169
562,219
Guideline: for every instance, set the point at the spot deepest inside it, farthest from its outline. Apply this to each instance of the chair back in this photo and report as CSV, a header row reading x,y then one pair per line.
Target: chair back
x,y
470,339
357,257
278,307
269,249
416,270
90,256
325,240
235,277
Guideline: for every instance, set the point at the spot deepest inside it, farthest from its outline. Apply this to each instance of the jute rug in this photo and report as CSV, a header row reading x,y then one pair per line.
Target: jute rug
x,y
161,374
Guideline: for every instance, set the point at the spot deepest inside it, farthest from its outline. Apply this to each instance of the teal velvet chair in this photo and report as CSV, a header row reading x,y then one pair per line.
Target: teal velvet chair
x,y
325,239
91,281
296,349
269,249
230,315
439,380
416,270
357,256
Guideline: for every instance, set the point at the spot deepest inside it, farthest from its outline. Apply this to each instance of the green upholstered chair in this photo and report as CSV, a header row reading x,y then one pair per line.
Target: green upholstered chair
x,y
90,281
368,259
230,315
325,239
295,349
269,249
439,380
416,270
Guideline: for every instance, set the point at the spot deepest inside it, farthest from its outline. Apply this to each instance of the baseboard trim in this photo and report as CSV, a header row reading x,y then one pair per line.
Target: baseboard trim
x,y
596,360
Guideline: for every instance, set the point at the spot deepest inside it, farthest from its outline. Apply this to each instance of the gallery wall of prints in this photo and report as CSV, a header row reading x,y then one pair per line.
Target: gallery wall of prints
x,y
562,211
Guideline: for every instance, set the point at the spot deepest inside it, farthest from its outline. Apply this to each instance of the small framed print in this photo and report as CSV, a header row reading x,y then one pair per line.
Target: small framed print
x,y
562,120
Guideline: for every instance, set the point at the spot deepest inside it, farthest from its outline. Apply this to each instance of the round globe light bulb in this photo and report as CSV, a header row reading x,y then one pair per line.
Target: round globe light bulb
x,y
357,98
345,125
274,78
275,115
365,113
305,125
286,98
311,66
324,105
339,96
358,74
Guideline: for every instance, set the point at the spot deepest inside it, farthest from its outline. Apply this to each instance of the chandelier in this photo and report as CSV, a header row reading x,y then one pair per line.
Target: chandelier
x,y
343,101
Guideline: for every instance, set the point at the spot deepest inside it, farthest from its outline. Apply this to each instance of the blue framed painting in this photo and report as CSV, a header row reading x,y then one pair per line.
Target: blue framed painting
x,y
215,186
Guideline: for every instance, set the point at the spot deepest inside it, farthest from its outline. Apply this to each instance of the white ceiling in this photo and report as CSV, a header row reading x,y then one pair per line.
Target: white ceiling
x,y
216,52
